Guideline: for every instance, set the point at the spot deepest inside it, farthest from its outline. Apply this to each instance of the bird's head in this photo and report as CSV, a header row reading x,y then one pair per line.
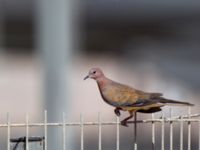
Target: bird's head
x,y
94,73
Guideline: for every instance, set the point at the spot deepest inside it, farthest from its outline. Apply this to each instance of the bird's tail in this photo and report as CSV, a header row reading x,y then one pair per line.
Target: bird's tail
x,y
169,101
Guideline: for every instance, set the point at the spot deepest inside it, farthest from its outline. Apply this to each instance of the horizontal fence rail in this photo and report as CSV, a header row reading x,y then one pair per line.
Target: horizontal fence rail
x,y
189,118
88,123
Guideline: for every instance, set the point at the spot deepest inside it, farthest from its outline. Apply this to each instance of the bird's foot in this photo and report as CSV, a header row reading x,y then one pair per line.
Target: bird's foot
x,y
161,117
117,112
124,123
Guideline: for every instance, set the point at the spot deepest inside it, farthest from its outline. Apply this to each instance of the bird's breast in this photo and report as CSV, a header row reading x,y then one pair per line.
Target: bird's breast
x,y
109,95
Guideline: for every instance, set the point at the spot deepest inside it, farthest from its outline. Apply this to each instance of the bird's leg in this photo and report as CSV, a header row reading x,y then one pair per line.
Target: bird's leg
x,y
124,122
117,111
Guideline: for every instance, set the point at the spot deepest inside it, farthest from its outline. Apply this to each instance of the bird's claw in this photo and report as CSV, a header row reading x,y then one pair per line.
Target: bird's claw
x,y
124,123
161,117
117,112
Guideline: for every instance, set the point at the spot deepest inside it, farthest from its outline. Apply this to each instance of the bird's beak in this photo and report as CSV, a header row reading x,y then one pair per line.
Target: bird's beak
x,y
86,77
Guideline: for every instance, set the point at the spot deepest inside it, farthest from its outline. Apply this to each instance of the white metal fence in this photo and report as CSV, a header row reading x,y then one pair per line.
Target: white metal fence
x,y
190,118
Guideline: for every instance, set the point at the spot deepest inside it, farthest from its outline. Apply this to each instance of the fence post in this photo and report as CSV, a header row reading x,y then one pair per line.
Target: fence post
x,y
64,130
171,130
199,133
8,131
45,130
27,132
82,132
100,131
153,132
117,134
163,132
181,133
189,129
135,131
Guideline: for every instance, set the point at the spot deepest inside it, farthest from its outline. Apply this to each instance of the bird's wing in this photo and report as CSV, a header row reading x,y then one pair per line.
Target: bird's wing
x,y
139,103
125,96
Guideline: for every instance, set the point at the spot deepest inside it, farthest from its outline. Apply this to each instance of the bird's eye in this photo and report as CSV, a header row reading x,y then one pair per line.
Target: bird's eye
x,y
94,72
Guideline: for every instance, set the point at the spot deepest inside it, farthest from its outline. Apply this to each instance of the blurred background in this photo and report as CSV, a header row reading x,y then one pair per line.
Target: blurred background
x,y
47,47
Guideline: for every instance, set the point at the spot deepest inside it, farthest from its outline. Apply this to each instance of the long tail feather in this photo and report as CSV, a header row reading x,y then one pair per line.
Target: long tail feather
x,y
163,100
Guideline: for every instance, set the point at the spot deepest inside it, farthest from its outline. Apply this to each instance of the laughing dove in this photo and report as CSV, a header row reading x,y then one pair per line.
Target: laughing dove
x,y
126,98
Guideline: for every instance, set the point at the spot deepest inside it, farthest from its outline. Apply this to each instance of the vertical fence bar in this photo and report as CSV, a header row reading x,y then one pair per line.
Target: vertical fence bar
x,y
153,132
27,132
100,132
117,134
64,130
82,132
199,133
45,130
8,131
135,130
181,133
171,131
163,132
189,129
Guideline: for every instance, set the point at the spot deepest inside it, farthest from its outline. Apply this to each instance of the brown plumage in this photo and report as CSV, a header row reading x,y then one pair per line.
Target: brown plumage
x,y
126,98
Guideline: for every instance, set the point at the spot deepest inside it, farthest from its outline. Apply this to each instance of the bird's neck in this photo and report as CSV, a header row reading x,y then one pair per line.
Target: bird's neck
x,y
103,81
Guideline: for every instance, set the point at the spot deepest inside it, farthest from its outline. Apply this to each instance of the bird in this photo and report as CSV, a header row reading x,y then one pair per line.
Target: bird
x,y
127,98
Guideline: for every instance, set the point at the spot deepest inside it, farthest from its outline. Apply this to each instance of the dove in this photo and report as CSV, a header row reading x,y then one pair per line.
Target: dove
x,y
127,98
